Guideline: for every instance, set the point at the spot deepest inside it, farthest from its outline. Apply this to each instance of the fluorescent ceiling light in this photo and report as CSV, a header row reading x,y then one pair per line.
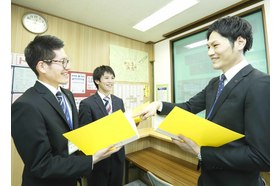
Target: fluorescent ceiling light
x,y
197,44
171,9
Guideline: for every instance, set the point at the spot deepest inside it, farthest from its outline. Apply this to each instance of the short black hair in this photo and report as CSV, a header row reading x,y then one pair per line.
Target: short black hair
x,y
231,27
99,71
41,48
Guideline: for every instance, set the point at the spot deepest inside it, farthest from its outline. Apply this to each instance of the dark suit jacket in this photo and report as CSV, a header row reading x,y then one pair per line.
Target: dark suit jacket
x,y
92,109
244,107
38,123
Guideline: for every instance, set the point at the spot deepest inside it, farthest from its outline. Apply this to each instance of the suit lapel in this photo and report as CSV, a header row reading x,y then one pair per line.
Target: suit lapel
x,y
100,103
229,86
212,92
115,104
73,107
50,98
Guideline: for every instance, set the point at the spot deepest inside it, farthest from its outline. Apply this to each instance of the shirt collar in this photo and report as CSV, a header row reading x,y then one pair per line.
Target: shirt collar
x,y
234,70
51,88
103,96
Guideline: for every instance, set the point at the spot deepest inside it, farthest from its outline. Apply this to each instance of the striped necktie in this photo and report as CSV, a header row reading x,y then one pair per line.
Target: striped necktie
x,y
62,103
220,89
107,104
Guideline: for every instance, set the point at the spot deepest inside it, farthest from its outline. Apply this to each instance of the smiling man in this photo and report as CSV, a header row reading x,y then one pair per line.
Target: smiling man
x,y
108,172
239,99
42,114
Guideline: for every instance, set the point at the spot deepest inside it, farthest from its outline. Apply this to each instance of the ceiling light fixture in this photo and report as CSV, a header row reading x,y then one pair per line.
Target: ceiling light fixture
x,y
171,9
197,44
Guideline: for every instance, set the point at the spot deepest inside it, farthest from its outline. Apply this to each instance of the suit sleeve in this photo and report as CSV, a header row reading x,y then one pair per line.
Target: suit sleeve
x,y
85,116
195,105
32,140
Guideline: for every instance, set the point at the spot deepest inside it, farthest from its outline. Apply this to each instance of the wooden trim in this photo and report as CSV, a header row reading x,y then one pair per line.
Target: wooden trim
x,y
266,39
212,17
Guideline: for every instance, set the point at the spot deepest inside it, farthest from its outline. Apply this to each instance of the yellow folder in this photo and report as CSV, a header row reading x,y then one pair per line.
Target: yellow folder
x,y
200,130
116,128
137,119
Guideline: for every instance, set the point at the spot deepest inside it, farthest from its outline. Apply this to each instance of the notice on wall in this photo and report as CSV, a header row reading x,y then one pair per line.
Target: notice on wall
x,y
129,64
131,94
82,86
90,85
18,59
78,83
162,92
23,78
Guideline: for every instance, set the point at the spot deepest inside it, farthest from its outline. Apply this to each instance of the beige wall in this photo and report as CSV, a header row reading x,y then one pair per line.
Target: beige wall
x,y
87,48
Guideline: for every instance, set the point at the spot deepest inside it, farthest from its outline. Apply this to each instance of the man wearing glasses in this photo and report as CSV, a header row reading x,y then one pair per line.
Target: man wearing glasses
x,y
42,114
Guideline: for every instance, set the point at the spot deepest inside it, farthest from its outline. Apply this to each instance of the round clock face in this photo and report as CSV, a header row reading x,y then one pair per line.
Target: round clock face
x,y
34,23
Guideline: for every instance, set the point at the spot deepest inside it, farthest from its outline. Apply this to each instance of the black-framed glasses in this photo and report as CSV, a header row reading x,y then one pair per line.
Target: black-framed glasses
x,y
63,61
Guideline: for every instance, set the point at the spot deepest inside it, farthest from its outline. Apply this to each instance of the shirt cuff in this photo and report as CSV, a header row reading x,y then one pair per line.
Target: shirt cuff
x,y
199,157
92,164
160,107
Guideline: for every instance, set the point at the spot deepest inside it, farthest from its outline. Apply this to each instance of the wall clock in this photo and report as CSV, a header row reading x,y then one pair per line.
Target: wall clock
x,y
34,23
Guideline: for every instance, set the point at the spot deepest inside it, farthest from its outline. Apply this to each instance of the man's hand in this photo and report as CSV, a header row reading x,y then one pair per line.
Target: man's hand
x,y
105,153
187,144
149,110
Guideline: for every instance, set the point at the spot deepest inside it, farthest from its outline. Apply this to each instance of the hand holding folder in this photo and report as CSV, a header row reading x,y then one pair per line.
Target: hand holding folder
x,y
137,118
115,129
200,130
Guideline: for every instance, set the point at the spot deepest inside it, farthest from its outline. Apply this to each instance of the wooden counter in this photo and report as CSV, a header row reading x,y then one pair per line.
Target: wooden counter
x,y
167,167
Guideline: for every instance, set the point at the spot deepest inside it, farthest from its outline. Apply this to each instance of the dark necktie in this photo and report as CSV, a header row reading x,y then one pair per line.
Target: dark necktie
x,y
107,104
220,89
62,103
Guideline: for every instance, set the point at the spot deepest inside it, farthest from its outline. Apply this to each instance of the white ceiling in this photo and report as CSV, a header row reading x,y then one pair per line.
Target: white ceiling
x,y
119,16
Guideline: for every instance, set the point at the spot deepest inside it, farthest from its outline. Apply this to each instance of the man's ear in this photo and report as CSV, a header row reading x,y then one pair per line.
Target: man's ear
x,y
97,82
240,43
41,67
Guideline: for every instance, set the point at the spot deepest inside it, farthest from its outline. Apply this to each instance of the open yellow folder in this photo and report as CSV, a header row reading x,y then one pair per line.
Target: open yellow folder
x,y
200,130
116,128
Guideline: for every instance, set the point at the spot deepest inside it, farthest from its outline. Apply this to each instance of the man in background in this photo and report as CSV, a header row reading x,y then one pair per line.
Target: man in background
x,y
108,172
